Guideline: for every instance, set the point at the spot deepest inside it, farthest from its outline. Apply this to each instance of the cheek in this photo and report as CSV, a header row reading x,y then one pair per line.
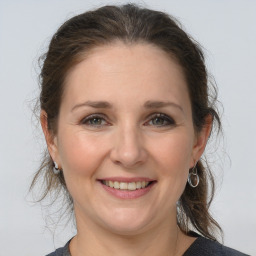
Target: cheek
x,y
173,162
174,153
80,153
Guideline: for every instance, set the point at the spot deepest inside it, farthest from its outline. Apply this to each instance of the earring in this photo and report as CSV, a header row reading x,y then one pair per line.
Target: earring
x,y
193,178
55,168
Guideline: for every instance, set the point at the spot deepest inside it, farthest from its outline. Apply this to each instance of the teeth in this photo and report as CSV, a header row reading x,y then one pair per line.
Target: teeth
x,y
116,184
123,185
132,186
126,185
138,185
111,184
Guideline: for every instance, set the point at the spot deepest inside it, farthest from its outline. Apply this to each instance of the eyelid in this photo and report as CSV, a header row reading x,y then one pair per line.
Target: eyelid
x,y
95,115
163,116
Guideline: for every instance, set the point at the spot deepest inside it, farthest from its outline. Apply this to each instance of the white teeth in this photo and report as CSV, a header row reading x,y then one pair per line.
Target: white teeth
x,y
138,185
116,184
132,186
126,185
111,184
123,185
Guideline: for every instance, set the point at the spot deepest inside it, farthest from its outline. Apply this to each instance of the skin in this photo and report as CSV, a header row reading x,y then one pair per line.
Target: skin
x,y
126,140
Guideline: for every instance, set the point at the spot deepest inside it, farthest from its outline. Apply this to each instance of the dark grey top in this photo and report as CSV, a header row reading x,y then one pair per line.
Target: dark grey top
x,y
201,247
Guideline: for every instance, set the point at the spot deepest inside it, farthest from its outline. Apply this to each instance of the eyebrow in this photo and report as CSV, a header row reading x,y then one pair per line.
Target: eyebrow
x,y
93,104
160,104
148,104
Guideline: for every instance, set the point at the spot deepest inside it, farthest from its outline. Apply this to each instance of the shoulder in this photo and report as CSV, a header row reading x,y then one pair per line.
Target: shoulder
x,y
203,246
63,251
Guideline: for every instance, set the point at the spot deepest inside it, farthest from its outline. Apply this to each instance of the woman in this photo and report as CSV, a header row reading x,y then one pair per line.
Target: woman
x,y
126,113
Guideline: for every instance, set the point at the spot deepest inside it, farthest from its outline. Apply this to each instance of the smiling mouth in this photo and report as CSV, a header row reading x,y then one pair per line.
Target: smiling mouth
x,y
132,186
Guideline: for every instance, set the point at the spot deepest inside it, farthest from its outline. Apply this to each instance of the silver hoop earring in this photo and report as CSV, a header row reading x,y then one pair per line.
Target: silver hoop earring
x,y
55,168
193,178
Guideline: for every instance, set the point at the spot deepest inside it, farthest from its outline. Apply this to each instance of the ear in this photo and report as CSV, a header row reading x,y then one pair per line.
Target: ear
x,y
201,139
50,138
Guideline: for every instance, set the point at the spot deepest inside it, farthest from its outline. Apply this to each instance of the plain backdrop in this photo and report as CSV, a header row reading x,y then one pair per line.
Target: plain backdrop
x,y
226,29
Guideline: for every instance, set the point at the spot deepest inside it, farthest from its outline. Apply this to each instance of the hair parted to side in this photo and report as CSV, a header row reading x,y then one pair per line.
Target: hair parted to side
x,y
131,24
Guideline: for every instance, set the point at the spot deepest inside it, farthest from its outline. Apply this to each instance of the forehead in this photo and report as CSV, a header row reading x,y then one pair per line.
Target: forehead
x,y
140,71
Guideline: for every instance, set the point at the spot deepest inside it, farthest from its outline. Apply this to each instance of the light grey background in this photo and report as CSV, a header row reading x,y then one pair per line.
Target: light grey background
x,y
227,29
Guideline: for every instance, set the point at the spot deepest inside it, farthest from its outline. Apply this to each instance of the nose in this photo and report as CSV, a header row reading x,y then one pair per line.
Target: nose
x,y
128,148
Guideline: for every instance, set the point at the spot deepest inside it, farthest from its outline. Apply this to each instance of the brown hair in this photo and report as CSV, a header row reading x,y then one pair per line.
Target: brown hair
x,y
132,24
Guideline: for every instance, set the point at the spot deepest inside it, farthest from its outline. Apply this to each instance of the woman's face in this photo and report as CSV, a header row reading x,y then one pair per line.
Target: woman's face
x,y
125,121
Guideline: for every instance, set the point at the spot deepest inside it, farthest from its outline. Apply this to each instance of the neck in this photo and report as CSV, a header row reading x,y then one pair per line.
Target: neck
x,y
91,239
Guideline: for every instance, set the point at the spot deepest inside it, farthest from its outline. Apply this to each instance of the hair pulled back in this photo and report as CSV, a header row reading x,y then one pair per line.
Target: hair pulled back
x,y
131,24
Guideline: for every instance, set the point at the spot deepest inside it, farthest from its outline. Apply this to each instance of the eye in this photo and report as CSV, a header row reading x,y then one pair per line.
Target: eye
x,y
161,120
94,120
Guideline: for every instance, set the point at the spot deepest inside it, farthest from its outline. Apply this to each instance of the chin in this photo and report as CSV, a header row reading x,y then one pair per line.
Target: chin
x,y
127,222
126,229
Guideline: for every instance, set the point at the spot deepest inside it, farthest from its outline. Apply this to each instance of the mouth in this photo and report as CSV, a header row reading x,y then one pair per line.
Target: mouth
x,y
127,187
130,186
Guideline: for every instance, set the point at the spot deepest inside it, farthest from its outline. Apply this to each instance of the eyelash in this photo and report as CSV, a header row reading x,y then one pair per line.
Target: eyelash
x,y
91,117
167,119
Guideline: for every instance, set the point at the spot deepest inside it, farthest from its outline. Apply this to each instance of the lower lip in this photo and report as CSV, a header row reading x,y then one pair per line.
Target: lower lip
x,y
128,194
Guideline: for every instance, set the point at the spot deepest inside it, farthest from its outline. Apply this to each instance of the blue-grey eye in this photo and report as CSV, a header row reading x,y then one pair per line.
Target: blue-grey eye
x,y
95,121
161,120
92,120
158,121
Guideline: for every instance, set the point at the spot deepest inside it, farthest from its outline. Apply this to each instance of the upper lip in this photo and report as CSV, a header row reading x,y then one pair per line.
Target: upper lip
x,y
127,179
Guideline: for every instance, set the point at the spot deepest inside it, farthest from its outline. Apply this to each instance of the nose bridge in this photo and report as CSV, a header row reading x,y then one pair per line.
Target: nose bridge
x,y
128,148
